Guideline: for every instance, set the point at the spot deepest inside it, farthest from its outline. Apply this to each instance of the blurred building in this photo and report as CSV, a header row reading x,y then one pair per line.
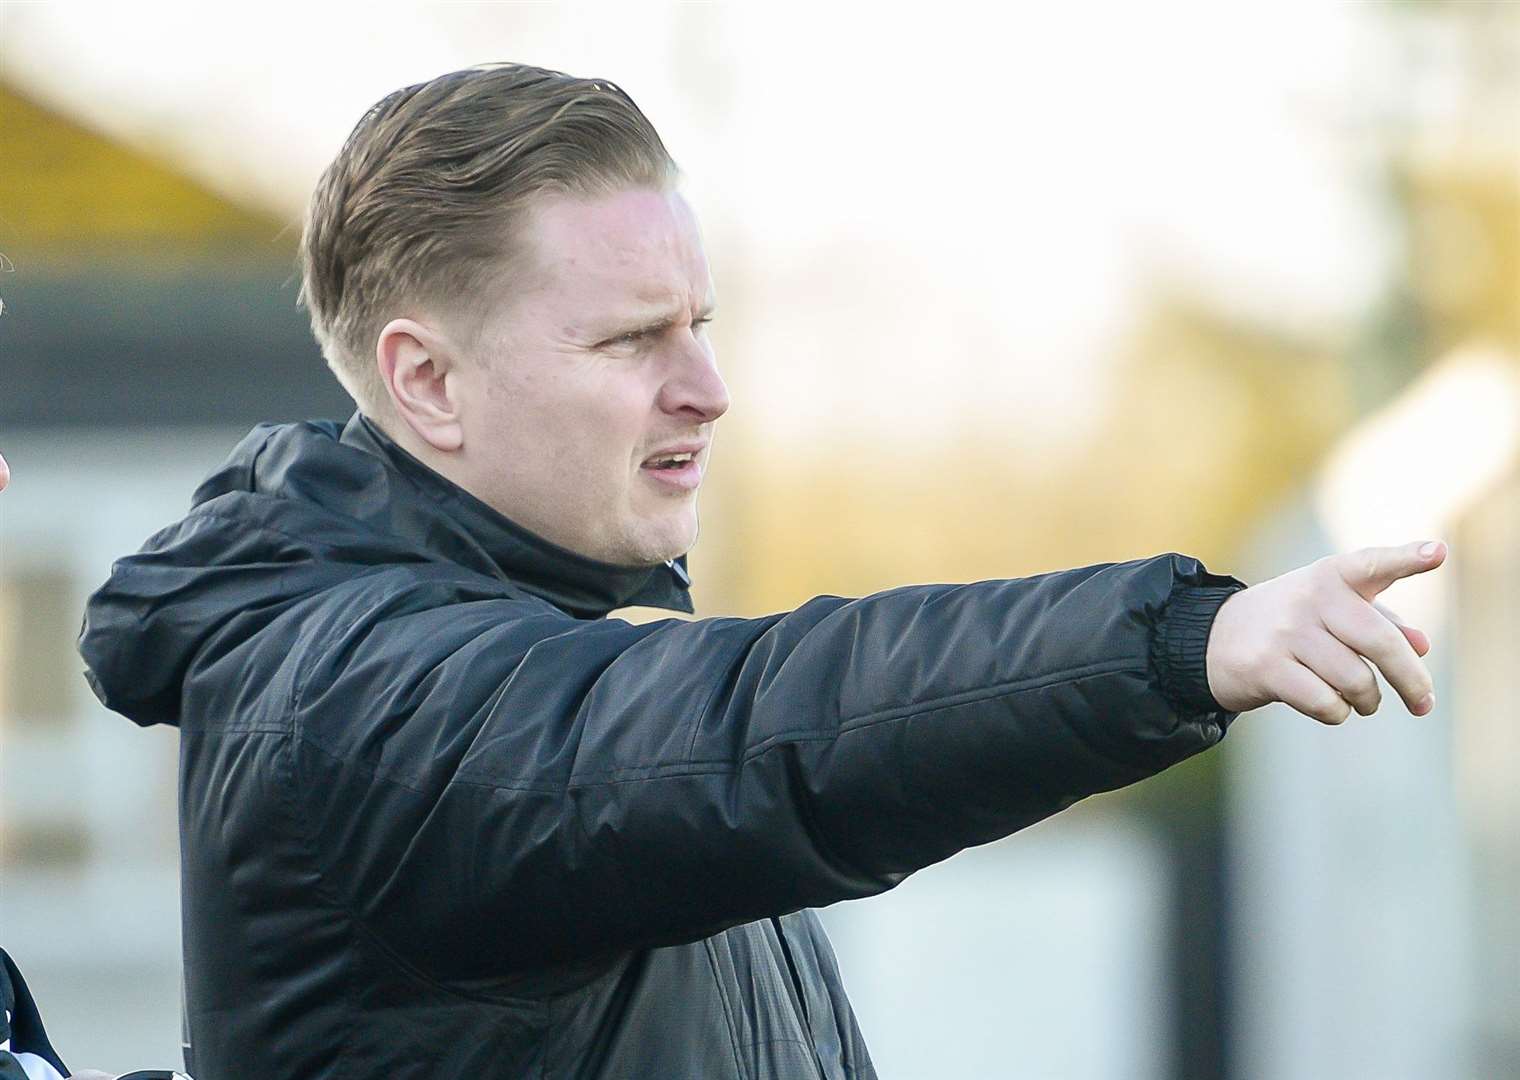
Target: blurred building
x,y
147,324
1375,878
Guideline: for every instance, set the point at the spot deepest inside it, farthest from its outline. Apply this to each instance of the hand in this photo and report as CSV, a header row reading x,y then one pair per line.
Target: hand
x,y
1305,638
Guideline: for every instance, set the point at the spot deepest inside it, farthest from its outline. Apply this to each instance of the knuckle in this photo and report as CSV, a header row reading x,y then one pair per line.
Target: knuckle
x,y
1297,609
1416,685
1277,639
1321,573
1368,633
1331,708
1307,638
1313,593
1386,634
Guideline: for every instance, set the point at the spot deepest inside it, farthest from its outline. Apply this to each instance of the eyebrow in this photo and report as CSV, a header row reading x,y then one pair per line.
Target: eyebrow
x,y
653,324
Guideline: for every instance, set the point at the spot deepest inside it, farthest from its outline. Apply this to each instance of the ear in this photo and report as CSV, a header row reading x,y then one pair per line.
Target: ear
x,y
418,369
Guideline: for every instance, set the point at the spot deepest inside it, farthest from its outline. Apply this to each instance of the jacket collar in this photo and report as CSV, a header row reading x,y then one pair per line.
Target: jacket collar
x,y
474,534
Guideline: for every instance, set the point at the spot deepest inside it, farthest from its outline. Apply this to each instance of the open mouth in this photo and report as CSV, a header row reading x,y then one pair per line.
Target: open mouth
x,y
672,461
674,472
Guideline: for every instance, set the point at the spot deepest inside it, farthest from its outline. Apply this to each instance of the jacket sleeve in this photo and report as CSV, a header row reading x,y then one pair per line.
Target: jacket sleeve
x,y
494,787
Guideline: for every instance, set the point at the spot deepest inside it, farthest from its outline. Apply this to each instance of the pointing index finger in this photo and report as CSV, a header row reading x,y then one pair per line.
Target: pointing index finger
x,y
1371,570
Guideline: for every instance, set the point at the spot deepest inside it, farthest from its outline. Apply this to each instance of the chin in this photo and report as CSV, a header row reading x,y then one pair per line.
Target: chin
x,y
660,542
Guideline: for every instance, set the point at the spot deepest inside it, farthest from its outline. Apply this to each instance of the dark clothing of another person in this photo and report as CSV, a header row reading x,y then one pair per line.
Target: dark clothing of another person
x,y
21,1031
440,819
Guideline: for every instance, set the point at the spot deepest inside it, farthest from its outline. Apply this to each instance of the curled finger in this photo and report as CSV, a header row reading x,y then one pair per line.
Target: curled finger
x,y
1343,671
1418,639
1300,688
1368,633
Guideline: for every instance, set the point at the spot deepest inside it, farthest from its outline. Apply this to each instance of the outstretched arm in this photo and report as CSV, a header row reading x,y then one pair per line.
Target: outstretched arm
x,y
496,787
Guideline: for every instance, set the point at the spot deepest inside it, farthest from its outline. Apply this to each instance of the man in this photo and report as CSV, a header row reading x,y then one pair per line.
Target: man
x,y
442,819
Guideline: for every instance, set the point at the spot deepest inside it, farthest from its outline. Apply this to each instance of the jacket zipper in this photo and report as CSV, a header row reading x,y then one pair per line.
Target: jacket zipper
x,y
802,1002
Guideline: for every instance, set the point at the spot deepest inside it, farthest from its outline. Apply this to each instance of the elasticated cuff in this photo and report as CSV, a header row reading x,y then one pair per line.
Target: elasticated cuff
x,y
1180,642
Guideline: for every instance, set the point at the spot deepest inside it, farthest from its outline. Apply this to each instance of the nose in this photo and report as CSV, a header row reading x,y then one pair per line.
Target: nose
x,y
693,389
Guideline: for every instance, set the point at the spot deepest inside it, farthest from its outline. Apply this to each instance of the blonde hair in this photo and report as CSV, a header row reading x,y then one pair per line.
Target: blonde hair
x,y
422,203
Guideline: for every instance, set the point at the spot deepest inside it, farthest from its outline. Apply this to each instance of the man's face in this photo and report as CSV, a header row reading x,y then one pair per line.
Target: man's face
x,y
598,366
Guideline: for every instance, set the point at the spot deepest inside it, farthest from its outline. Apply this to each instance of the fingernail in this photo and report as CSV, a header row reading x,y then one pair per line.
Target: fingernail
x,y
1425,704
1427,550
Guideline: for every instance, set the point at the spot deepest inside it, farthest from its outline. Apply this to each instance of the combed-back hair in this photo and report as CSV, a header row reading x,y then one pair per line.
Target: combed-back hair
x,y
422,204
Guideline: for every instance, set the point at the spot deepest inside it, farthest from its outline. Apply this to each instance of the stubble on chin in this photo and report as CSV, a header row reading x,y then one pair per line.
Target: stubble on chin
x,y
653,543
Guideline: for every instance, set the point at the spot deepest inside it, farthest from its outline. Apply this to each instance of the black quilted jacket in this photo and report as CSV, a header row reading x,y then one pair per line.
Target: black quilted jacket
x,y
440,819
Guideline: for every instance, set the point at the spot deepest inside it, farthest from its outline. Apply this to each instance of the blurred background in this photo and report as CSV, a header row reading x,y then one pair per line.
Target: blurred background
x,y
1001,291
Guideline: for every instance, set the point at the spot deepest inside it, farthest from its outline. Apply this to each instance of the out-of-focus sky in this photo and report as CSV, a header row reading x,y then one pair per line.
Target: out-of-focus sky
x,y
1096,279
980,197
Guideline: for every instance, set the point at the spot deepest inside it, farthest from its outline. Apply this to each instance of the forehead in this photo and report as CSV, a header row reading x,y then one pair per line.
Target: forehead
x,y
633,246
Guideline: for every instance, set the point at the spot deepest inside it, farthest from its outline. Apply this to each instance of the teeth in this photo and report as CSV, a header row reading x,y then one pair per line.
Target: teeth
x,y
673,457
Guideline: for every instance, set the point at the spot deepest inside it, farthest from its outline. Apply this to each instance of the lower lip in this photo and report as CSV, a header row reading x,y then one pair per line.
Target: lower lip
x,y
686,478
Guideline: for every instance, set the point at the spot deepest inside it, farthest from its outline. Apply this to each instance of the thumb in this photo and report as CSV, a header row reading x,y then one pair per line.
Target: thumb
x,y
1371,570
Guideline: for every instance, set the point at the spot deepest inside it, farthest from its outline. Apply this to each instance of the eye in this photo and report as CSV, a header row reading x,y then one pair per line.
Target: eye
x,y
633,337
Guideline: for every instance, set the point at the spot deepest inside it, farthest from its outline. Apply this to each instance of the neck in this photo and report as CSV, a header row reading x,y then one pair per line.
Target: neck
x,y
445,465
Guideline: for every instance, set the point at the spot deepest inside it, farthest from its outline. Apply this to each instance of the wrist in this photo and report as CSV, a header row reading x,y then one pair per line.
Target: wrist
x,y
1179,646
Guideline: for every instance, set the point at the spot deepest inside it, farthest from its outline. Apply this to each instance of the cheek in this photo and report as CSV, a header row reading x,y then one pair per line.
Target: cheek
x,y
615,420
575,425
